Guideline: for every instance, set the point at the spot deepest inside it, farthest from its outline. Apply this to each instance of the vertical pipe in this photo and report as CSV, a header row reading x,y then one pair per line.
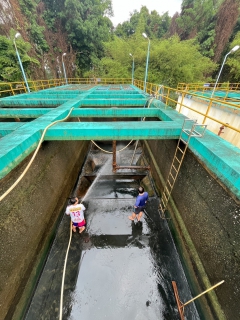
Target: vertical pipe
x,y
146,71
114,163
21,66
133,71
64,70
114,145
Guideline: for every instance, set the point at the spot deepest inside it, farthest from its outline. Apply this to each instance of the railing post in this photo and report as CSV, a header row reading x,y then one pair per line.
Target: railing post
x,y
34,85
208,109
114,163
167,96
181,103
25,88
12,89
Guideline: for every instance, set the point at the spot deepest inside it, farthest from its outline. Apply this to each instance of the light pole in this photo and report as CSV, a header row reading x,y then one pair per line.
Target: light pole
x,y
233,50
132,67
19,60
64,70
145,80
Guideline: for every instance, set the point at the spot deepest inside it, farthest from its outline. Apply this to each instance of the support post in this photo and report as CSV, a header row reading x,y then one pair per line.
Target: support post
x,y
133,167
114,163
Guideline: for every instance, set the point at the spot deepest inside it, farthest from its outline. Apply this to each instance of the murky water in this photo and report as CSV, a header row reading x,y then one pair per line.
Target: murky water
x,y
117,269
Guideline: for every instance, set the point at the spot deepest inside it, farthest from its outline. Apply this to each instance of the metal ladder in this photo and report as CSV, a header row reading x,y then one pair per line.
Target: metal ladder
x,y
178,159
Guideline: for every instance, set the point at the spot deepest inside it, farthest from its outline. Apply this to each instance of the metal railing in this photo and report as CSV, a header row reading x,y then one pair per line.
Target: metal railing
x,y
169,96
175,98
18,87
203,86
224,91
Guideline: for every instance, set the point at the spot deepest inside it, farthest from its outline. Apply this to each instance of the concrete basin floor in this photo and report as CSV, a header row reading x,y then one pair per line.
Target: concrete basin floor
x,y
116,269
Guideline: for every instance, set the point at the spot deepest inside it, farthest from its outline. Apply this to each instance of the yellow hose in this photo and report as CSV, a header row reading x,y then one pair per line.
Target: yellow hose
x,y
64,272
111,151
33,157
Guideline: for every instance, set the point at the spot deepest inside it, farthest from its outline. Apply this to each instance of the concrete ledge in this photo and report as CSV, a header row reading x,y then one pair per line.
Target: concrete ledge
x,y
219,156
192,260
28,217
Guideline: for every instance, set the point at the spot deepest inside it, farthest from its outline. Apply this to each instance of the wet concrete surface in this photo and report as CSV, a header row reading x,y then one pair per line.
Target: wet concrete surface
x,y
116,269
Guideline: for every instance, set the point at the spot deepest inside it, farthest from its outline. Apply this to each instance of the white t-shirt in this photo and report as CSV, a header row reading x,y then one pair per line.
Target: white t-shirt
x,y
76,212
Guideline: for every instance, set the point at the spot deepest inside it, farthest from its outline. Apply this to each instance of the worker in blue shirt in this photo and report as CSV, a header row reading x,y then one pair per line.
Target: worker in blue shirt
x,y
140,204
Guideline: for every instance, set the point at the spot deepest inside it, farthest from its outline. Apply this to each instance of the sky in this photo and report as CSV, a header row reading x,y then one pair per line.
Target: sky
x,y
122,8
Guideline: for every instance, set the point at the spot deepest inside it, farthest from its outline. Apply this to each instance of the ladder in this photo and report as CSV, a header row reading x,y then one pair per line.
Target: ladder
x,y
188,131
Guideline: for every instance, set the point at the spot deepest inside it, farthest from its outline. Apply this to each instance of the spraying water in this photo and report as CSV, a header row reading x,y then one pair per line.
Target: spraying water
x,y
100,173
66,257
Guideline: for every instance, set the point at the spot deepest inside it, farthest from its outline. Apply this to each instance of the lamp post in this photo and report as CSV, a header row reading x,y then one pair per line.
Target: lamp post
x,y
19,60
132,67
145,80
64,70
233,50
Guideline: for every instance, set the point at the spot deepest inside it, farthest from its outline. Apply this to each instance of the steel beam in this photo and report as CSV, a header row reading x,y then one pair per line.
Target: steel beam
x,y
57,102
17,145
82,112
32,102
115,112
114,102
23,113
8,127
114,130
120,95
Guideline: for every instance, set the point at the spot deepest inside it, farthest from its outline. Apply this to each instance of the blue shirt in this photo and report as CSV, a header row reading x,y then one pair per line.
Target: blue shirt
x,y
141,200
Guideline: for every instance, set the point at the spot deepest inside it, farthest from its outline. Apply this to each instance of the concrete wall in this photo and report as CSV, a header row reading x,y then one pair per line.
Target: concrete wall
x,y
205,219
29,216
217,111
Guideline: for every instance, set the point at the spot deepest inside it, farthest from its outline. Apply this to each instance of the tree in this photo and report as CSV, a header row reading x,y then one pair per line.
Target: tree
x,y
232,62
226,21
35,31
88,27
171,60
197,20
152,23
9,65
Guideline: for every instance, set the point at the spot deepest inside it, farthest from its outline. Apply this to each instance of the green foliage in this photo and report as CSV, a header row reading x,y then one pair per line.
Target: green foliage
x,y
101,50
50,19
36,32
198,19
171,60
27,7
177,61
9,65
37,35
87,28
233,61
155,25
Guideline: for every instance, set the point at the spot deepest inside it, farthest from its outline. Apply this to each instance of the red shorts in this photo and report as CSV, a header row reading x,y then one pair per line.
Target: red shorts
x,y
79,224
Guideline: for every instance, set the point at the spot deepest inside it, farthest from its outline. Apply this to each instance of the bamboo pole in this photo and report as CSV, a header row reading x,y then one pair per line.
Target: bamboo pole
x,y
216,285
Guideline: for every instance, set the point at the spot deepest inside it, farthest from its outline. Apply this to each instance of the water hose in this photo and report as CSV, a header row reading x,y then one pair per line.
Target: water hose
x,y
106,150
64,272
33,157
111,151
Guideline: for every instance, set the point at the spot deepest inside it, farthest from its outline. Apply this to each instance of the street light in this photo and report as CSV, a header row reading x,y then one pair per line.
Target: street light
x,y
19,60
64,70
233,50
132,67
145,80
